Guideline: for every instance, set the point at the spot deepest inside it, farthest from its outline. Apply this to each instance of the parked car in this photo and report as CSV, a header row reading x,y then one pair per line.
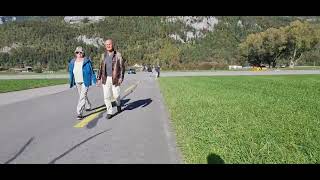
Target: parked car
x,y
131,71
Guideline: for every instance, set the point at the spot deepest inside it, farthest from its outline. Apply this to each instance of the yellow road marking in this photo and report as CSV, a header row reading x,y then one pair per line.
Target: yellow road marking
x,y
91,117
131,87
94,115
128,88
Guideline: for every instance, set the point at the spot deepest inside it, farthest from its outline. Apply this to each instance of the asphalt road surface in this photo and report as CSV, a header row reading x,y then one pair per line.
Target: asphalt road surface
x,y
44,129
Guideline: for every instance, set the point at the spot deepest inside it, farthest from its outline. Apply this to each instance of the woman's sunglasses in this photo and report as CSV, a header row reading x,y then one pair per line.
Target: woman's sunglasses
x,y
78,52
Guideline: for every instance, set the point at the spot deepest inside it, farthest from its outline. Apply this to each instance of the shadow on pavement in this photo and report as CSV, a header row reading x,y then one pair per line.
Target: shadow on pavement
x,y
97,107
122,102
103,109
74,147
139,103
94,122
21,150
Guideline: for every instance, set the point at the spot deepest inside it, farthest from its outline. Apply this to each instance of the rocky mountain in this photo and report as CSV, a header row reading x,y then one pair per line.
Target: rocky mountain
x,y
172,41
83,19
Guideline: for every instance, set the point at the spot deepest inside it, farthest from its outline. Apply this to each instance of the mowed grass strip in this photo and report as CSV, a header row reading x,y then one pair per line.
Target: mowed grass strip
x,y
245,119
22,84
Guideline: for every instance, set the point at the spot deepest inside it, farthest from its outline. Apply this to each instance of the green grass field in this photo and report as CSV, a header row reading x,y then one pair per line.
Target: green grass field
x,y
245,119
22,84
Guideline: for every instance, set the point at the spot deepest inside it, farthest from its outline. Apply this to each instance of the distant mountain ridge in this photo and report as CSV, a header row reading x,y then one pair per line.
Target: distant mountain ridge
x,y
171,41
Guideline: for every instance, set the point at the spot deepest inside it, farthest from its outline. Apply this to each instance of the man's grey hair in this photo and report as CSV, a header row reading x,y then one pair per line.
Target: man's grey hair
x,y
109,39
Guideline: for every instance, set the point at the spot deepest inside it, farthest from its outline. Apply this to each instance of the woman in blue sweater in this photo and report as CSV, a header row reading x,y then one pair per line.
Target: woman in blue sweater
x,y
82,75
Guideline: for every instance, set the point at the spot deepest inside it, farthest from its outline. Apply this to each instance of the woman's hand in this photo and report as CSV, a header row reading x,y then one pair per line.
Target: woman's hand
x,y
98,83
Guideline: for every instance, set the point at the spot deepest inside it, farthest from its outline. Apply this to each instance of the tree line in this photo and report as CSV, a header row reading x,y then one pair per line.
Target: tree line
x,y
239,40
285,45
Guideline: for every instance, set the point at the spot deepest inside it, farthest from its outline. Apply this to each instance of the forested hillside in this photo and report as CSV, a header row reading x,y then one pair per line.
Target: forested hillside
x,y
173,42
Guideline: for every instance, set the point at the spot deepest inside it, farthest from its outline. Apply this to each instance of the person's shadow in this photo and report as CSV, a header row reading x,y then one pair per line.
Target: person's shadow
x,y
94,122
123,102
214,159
139,103
130,106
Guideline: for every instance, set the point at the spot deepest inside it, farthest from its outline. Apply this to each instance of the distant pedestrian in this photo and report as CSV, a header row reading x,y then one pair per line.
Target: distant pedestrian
x,y
82,75
158,71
